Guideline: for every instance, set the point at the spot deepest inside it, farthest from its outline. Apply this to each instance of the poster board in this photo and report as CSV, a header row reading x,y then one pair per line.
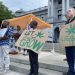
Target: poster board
x,y
3,31
32,39
67,35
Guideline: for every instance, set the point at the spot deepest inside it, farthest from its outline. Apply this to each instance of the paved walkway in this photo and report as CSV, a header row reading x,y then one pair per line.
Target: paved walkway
x,y
52,61
14,73
45,57
50,72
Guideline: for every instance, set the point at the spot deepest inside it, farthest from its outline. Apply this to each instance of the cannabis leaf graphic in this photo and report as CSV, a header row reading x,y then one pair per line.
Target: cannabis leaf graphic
x,y
71,29
39,34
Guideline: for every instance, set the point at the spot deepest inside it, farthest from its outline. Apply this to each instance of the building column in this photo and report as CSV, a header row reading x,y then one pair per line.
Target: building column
x,y
49,8
68,4
63,9
52,8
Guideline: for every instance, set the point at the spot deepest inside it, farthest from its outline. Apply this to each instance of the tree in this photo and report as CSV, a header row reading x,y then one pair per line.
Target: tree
x,y
4,12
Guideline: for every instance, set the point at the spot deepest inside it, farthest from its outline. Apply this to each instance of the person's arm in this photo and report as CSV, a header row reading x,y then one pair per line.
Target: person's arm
x,y
62,26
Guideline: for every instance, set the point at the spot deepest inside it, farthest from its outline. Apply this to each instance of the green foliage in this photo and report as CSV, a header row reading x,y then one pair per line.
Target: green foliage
x,y
4,12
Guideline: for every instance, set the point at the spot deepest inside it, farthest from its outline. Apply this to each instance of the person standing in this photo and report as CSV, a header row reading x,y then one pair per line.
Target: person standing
x,y
70,50
33,57
4,47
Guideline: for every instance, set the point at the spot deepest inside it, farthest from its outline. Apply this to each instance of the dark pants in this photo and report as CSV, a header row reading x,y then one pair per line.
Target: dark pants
x,y
70,53
33,57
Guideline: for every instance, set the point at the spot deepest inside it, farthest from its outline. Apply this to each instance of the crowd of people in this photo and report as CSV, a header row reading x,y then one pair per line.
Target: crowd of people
x,y
33,57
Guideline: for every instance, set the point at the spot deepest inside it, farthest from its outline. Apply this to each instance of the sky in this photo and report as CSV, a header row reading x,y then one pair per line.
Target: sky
x,y
26,5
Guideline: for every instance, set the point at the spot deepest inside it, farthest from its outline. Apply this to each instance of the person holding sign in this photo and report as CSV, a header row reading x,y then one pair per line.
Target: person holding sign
x,y
33,57
4,47
70,50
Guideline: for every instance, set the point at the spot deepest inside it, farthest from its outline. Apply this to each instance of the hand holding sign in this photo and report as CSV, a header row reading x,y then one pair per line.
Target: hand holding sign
x,y
61,27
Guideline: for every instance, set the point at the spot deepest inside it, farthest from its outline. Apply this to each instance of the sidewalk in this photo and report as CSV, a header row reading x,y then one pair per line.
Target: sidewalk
x,y
47,60
14,73
48,73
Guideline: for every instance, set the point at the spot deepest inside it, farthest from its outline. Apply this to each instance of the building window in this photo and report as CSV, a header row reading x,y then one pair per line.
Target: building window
x,y
74,7
42,17
59,17
59,1
59,11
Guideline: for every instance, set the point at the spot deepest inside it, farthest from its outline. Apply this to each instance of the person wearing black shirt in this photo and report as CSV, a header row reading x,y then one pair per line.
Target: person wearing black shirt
x,y
70,50
33,57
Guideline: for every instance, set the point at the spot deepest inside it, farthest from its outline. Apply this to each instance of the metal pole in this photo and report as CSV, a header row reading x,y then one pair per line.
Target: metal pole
x,y
53,48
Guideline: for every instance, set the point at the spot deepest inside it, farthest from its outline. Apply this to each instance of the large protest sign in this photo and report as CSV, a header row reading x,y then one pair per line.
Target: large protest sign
x,y
32,39
67,35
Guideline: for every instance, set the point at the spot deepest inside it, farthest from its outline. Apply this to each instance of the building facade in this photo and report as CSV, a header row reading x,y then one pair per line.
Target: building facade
x,y
19,13
56,14
42,13
39,12
57,8
53,13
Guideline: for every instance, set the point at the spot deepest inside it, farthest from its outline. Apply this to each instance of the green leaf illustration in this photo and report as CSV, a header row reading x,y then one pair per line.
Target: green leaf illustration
x,y
71,29
39,34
